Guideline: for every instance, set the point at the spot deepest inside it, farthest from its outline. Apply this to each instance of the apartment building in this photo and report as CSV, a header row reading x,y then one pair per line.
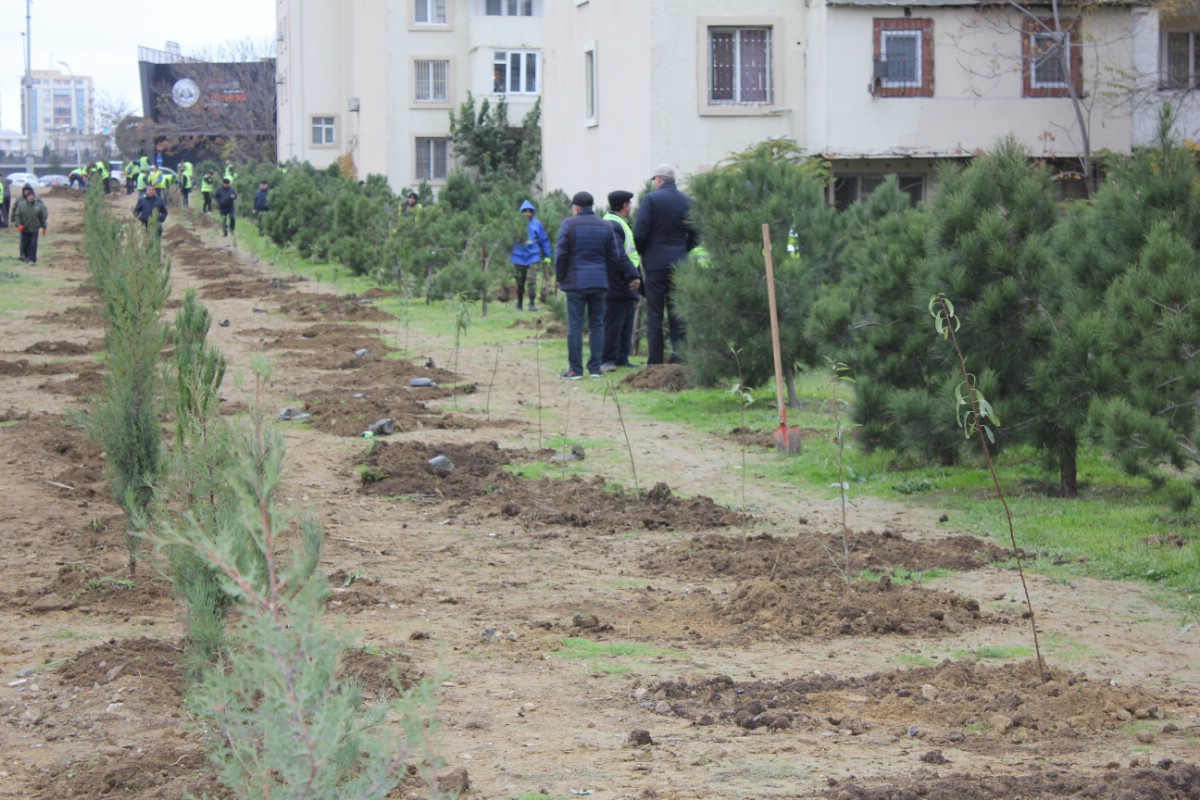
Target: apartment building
x,y
63,106
376,79
877,87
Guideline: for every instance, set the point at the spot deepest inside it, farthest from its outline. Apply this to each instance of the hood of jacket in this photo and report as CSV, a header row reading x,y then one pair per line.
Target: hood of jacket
x,y
528,206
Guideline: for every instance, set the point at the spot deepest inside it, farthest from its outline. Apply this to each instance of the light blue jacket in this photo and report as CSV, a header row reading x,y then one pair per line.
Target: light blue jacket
x,y
536,245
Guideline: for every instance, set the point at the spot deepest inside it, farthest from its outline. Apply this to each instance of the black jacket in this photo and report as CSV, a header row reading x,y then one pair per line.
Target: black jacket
x,y
260,200
225,197
662,234
145,207
587,252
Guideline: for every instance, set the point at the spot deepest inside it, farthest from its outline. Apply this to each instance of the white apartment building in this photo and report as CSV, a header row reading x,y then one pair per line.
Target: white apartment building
x,y
63,106
876,86
377,79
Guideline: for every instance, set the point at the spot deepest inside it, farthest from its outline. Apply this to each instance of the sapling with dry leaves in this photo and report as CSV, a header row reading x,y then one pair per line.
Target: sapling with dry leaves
x,y
976,417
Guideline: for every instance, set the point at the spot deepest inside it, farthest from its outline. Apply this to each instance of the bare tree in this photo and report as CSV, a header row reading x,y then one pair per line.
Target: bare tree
x,y
111,114
1053,42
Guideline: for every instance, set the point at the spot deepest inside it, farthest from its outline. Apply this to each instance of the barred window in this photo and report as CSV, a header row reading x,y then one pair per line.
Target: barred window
x,y
433,81
433,158
740,66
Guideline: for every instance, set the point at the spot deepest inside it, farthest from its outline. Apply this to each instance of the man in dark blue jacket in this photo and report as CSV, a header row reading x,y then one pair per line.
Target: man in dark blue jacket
x,y
585,255
148,206
663,237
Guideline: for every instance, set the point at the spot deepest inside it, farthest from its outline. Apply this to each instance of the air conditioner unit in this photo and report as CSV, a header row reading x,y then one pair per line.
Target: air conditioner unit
x,y
353,104
880,71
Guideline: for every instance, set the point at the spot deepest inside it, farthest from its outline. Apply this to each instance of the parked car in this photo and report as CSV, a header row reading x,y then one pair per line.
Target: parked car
x,y
20,179
55,180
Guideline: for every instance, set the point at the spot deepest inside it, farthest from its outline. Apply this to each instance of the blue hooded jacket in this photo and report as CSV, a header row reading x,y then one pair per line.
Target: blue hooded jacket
x,y
536,245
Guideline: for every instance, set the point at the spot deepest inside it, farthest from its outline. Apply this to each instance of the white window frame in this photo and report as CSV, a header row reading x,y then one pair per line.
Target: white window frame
x,y
431,168
428,97
1190,81
1049,36
917,35
510,8
522,62
591,97
327,124
429,9
705,106
735,84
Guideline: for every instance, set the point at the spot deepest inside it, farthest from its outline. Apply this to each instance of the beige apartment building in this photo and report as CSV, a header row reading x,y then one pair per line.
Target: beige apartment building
x,y
877,87
376,79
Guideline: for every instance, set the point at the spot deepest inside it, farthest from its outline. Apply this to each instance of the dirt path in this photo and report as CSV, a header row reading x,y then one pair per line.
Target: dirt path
x,y
751,668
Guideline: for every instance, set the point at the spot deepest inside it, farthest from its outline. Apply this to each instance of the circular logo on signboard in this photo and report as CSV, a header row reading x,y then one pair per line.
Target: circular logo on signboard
x,y
185,93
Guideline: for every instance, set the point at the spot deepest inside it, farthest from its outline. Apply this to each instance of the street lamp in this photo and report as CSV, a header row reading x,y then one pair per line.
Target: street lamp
x,y
74,113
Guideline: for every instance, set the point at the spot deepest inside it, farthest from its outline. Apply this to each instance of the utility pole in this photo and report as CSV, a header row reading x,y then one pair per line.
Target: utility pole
x,y
28,92
75,121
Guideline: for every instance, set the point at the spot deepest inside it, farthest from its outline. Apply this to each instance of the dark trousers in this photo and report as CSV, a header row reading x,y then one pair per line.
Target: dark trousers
x,y
207,202
660,286
129,185
228,220
619,313
577,301
28,250
107,187
5,206
526,274
185,191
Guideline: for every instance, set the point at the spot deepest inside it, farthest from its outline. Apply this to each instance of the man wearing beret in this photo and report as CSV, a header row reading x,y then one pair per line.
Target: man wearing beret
x,y
585,255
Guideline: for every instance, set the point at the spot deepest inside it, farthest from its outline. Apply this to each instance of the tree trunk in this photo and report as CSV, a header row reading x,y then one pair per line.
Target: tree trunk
x,y
484,266
789,378
1067,465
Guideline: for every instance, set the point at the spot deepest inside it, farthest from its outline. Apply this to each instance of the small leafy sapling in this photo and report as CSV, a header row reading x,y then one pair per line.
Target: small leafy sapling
x,y
839,377
976,417
744,397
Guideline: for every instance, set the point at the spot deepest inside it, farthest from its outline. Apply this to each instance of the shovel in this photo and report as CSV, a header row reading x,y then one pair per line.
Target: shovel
x,y
787,439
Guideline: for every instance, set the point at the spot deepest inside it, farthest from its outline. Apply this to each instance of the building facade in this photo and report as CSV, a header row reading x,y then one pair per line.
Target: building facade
x,y
63,107
376,80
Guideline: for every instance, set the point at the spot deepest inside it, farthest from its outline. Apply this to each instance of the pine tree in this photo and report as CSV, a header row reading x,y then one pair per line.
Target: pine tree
x,y
723,296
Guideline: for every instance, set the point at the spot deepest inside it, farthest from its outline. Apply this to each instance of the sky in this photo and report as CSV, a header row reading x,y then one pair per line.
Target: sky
x,y
100,39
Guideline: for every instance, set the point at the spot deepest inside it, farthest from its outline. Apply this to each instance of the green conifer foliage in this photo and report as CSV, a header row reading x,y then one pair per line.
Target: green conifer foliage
x,y
723,297
134,280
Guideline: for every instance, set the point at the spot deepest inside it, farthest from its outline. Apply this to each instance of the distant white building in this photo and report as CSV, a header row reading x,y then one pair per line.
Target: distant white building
x,y
376,79
63,110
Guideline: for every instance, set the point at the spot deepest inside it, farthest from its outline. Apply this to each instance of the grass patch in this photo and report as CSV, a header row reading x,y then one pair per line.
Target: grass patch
x,y
611,658
909,660
995,653
903,576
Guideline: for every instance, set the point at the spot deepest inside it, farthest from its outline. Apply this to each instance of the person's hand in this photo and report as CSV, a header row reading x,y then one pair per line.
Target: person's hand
x,y
45,232
546,260
635,284
21,228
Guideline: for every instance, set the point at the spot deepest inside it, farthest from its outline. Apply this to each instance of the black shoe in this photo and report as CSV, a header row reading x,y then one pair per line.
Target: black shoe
x,y
519,307
532,306
570,375
628,364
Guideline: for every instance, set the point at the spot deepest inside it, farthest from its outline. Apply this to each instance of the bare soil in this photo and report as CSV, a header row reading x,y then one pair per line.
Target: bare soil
x,y
597,639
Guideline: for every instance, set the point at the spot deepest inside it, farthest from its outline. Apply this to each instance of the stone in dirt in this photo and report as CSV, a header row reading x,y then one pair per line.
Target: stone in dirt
x,y
441,465
51,602
640,737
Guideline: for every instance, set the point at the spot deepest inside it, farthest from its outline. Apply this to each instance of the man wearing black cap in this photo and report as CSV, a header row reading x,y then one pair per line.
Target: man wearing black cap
x,y
620,305
586,254
663,237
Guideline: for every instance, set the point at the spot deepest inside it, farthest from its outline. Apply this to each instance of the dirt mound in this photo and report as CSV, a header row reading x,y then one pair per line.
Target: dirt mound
x,y
90,589
547,330
154,662
21,367
658,377
271,288
88,383
813,554
347,412
76,316
314,307
966,705
63,348
479,487
1166,779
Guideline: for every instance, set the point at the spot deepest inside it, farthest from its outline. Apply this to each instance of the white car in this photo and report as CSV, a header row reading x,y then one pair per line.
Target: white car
x,y
20,179
50,181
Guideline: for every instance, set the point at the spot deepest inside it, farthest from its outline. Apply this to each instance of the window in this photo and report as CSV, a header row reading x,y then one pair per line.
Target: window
x,y
509,8
589,84
1180,60
1045,72
432,81
433,158
903,58
851,189
430,12
739,71
324,132
515,72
